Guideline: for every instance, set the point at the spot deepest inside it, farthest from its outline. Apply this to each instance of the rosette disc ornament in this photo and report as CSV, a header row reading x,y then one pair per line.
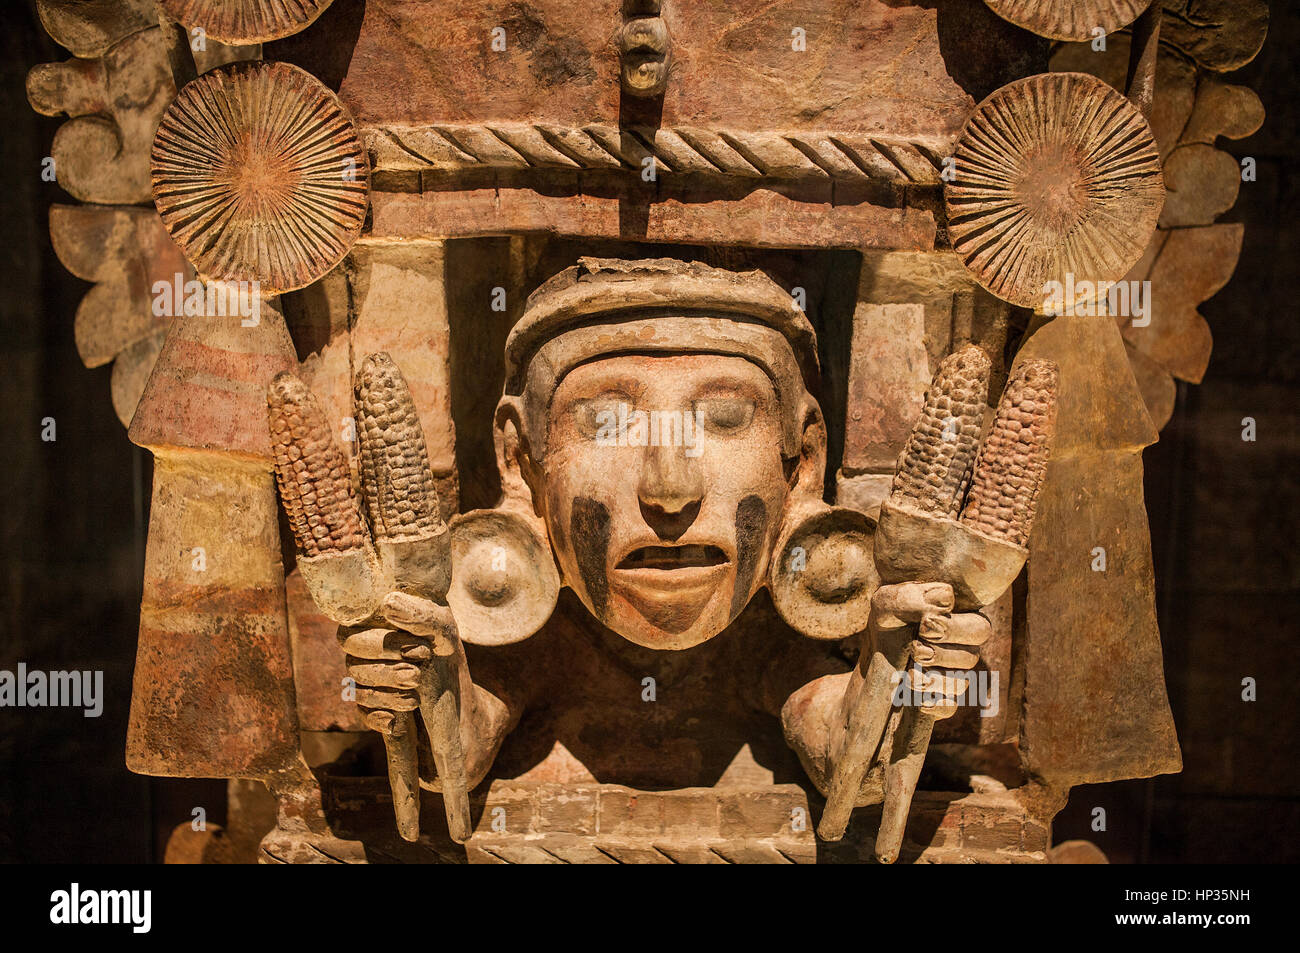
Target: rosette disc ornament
x,y
1056,177
245,21
1069,19
259,175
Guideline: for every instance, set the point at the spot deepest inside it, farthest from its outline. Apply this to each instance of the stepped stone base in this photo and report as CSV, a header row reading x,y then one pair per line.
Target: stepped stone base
x,y
605,823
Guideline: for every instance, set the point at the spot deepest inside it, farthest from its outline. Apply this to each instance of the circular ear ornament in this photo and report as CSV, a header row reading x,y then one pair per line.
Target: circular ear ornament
x,y
823,575
1056,179
503,578
259,175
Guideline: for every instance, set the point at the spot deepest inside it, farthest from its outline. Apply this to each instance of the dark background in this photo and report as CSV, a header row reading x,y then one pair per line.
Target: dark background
x,y
1223,515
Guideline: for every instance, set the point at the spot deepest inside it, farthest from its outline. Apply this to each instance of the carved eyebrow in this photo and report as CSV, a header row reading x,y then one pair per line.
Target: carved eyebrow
x,y
757,387
602,392
602,389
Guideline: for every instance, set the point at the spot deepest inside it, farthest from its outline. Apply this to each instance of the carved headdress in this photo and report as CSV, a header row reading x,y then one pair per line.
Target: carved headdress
x,y
603,306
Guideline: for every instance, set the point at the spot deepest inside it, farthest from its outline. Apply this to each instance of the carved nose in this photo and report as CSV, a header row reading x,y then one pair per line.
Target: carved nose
x,y
670,491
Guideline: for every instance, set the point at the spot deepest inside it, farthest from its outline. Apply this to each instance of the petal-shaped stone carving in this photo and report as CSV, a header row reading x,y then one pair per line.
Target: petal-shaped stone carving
x,y
1069,19
1221,35
125,252
1203,184
89,27
246,21
1056,175
1223,110
131,372
101,154
1159,392
1185,266
259,175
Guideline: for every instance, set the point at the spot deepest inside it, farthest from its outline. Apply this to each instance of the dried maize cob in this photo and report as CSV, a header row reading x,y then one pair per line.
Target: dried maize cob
x,y
315,485
934,469
1013,460
396,480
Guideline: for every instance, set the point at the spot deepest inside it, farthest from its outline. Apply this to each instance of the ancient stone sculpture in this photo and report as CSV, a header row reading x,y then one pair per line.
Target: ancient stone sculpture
x,y
658,416
683,457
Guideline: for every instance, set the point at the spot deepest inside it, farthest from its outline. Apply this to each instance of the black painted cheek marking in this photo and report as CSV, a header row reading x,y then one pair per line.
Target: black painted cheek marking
x,y
589,531
751,536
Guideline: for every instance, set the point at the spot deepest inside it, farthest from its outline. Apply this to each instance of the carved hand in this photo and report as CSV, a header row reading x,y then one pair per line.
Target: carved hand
x,y
386,662
936,638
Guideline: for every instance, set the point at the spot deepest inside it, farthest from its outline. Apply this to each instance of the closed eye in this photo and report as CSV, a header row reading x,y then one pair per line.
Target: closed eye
x,y
597,415
724,415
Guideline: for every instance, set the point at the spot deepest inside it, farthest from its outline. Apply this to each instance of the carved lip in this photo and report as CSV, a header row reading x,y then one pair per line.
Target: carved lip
x,y
671,585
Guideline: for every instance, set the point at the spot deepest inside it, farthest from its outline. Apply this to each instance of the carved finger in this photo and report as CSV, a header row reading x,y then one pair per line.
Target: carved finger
x,y
948,686
960,628
933,626
945,655
1013,461
419,615
910,602
378,719
393,699
941,711
402,675
941,690
384,645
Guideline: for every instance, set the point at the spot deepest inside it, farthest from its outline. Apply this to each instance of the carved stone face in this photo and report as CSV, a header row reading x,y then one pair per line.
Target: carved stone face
x,y
663,488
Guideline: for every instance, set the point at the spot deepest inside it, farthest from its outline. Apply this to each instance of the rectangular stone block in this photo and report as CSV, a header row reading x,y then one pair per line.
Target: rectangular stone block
x,y
691,813
402,71
758,813
888,374
625,812
565,809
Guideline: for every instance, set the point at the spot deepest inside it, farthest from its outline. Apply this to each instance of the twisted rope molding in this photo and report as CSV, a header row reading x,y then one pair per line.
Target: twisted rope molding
x,y
752,155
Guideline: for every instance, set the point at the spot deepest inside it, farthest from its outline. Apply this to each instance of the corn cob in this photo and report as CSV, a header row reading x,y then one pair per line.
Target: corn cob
x,y
1013,460
396,480
934,468
315,485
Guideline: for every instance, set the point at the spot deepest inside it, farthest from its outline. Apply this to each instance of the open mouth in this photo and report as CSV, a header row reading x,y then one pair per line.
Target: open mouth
x,y
673,557
671,585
